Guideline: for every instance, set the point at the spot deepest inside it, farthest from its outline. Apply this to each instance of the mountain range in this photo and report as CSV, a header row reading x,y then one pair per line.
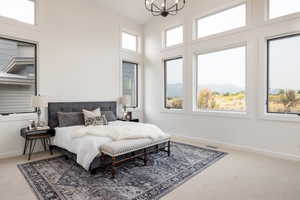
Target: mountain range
x,y
175,90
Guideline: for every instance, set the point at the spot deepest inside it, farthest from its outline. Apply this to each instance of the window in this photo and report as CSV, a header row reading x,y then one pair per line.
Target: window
x,y
17,76
278,8
173,83
130,82
21,10
221,80
223,21
174,36
283,75
129,41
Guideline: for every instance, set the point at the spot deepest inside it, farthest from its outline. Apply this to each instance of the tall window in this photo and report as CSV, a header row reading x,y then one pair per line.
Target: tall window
x,y
283,75
221,80
174,36
223,21
278,8
129,41
17,76
130,82
21,10
174,83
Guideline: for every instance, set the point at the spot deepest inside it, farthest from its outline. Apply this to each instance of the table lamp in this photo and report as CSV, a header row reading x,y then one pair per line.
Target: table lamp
x,y
39,102
125,101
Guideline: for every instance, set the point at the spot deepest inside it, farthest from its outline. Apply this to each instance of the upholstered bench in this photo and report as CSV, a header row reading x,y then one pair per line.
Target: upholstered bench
x,y
137,148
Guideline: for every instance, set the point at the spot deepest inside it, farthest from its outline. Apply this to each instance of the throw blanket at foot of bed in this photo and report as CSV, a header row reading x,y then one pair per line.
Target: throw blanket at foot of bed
x,y
122,132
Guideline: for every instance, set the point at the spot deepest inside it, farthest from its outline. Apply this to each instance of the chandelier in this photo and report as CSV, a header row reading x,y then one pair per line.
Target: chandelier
x,y
164,7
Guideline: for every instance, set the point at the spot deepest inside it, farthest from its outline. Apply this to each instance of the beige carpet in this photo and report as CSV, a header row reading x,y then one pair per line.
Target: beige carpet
x,y
238,176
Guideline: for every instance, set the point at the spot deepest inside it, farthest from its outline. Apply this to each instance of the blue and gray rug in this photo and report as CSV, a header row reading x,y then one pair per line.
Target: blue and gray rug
x,y
60,179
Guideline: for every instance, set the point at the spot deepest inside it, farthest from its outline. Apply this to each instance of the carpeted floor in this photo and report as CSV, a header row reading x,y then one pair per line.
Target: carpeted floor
x,y
57,178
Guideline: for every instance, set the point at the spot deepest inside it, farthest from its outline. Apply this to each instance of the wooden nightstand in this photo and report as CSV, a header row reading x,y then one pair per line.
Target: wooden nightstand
x,y
31,136
132,120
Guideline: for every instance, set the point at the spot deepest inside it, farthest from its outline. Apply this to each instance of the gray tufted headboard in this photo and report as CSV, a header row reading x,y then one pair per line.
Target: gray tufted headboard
x,y
53,108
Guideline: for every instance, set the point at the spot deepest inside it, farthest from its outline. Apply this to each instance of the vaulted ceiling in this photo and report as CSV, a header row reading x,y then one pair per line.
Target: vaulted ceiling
x,y
133,9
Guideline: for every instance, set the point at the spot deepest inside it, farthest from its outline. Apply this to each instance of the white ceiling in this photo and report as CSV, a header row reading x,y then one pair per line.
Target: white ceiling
x,y
133,9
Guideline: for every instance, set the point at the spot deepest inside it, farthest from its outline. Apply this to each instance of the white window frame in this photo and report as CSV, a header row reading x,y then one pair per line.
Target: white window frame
x,y
13,21
137,82
263,69
138,61
32,115
165,37
219,10
165,84
169,57
234,114
137,42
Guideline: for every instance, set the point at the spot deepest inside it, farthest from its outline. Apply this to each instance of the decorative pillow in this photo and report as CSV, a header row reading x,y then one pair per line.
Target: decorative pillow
x,y
94,118
110,116
70,119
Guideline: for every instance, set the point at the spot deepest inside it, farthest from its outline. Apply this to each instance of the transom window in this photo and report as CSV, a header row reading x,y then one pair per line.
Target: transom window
x,y
278,8
283,75
173,70
174,36
221,80
223,21
130,82
17,76
21,10
129,41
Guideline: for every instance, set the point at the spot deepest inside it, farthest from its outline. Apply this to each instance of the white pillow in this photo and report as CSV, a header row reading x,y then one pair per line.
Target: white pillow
x,y
91,117
89,114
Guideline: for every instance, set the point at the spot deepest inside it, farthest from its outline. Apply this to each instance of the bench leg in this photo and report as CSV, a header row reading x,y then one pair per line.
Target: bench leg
x,y
113,167
145,157
93,171
157,148
169,148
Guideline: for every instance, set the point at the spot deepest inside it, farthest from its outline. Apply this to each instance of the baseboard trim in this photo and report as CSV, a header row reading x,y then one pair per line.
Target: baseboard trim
x,y
235,147
19,152
10,154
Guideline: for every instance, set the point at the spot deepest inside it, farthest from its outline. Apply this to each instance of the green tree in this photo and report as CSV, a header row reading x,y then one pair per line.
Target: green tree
x,y
207,99
289,100
175,102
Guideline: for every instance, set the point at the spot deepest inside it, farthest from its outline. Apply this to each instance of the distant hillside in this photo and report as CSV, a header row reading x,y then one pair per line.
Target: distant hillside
x,y
175,90
222,88
277,91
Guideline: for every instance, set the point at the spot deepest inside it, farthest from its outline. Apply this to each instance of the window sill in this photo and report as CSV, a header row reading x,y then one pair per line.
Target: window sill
x,y
220,35
223,114
18,117
134,110
128,51
172,111
282,18
14,22
280,117
173,47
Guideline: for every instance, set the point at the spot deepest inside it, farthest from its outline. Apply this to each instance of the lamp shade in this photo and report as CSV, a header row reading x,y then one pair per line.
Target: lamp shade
x,y
39,102
125,100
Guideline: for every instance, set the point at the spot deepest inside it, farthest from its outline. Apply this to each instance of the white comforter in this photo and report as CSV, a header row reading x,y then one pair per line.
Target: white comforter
x,y
122,131
86,141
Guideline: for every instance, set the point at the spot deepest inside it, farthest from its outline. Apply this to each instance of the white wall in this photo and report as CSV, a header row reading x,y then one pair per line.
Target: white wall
x,y
253,131
78,57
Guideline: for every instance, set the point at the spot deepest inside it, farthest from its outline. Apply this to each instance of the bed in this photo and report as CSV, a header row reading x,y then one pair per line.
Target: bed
x,y
86,150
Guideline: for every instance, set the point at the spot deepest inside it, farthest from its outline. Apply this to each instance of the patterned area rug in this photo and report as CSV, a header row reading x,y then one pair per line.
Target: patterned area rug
x,y
61,179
